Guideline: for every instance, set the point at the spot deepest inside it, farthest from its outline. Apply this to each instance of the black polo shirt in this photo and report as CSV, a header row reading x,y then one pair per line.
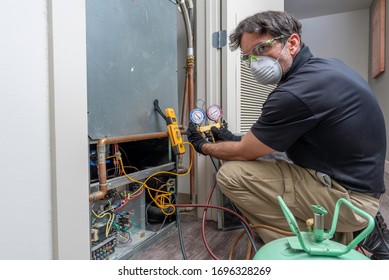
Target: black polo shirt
x,y
325,116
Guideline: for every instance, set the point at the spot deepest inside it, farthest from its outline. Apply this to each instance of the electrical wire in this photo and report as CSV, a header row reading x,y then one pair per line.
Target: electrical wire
x,y
110,212
108,225
162,200
216,207
214,164
148,224
203,224
207,205
180,237
124,152
248,255
360,249
250,235
129,239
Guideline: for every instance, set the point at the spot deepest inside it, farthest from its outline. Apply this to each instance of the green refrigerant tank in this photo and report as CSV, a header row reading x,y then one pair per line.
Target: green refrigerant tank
x,y
315,244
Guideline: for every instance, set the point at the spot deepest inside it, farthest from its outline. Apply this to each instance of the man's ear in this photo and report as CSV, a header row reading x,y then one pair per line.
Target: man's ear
x,y
294,44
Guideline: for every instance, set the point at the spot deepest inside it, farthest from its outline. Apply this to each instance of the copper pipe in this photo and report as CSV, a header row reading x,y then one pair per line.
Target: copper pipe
x,y
190,66
102,168
188,99
185,101
189,81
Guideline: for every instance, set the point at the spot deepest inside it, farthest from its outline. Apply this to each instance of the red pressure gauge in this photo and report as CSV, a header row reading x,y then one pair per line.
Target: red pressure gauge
x,y
214,112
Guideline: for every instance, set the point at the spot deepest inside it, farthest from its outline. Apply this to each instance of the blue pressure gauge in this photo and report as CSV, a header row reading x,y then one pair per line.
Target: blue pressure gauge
x,y
197,115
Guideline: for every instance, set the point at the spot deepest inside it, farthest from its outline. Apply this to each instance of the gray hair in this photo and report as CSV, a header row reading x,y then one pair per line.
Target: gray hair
x,y
275,23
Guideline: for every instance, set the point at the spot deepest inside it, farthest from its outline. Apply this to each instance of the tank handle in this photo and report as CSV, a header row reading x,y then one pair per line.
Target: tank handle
x,y
292,224
325,251
361,213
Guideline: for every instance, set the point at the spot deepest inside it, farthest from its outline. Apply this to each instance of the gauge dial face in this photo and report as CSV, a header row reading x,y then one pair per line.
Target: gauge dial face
x,y
197,116
214,112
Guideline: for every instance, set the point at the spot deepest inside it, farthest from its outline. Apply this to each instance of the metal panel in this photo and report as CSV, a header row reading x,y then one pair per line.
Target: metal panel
x,y
131,60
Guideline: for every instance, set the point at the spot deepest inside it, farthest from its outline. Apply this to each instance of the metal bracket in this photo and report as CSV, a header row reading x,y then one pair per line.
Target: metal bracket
x,y
219,39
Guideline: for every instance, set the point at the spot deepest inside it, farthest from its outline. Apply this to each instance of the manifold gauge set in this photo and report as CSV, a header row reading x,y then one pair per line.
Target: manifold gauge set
x,y
198,115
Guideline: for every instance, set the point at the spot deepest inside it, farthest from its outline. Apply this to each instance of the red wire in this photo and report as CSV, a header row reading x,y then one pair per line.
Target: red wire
x,y
127,200
203,223
360,248
221,208
121,206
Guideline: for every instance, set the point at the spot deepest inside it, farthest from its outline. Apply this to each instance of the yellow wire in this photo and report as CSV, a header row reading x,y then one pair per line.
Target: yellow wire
x,y
99,216
143,184
161,200
172,173
105,211
108,226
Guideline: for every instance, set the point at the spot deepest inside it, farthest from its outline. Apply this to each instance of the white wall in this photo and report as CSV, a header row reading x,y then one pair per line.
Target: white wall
x,y
233,12
25,211
43,120
344,36
69,129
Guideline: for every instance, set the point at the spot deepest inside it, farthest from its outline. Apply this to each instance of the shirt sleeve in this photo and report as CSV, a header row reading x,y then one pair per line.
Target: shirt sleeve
x,y
284,119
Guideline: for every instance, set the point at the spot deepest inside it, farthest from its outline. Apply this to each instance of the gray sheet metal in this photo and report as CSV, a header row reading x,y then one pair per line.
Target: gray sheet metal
x,y
131,60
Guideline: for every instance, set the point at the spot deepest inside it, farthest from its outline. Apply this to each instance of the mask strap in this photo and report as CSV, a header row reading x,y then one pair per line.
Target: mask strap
x,y
282,51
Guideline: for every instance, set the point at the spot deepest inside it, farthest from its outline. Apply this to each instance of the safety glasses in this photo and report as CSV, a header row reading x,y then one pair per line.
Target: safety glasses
x,y
259,49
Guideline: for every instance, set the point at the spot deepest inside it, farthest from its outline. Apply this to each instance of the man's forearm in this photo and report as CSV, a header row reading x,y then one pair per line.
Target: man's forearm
x,y
249,148
228,150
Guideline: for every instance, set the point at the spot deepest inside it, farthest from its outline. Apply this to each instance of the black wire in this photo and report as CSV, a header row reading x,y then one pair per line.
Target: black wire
x,y
234,208
245,228
214,164
180,237
148,226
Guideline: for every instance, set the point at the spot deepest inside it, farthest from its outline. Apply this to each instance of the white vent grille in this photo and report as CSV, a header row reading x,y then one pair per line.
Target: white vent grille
x,y
252,97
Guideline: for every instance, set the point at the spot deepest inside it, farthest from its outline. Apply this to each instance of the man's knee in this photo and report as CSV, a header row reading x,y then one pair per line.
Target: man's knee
x,y
225,175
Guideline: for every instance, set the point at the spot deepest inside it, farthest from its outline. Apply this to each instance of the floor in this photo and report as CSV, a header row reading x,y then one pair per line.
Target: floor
x,y
221,242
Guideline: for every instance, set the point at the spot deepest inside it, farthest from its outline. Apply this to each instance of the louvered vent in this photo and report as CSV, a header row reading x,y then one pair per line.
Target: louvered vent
x,y
252,96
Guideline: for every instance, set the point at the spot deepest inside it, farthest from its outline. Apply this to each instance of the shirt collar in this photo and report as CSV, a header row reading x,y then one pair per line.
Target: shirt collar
x,y
301,58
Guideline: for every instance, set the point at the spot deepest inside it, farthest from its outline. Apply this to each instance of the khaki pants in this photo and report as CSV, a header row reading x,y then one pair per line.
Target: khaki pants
x,y
253,186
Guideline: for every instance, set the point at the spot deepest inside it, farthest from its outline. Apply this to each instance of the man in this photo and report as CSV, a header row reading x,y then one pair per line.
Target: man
x,y
326,119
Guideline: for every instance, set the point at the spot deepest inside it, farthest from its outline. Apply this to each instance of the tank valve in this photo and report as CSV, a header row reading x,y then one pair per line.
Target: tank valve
x,y
318,226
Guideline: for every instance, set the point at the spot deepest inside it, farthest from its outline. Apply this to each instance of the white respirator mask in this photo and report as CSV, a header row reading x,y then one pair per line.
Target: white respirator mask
x,y
266,70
